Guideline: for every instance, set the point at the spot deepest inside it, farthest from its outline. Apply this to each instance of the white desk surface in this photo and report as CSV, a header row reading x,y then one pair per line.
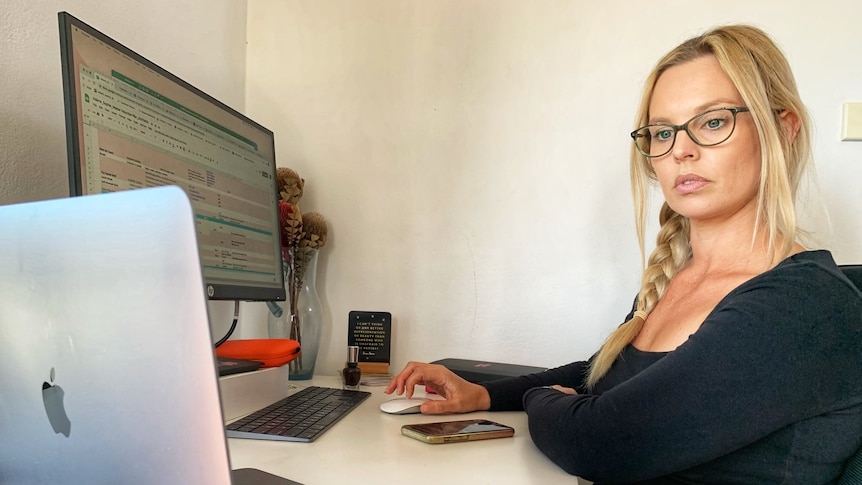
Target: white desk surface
x,y
367,447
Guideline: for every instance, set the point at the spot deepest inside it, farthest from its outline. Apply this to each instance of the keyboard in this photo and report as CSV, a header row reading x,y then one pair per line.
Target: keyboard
x,y
302,416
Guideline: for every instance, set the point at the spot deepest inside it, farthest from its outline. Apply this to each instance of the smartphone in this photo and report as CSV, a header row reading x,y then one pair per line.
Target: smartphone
x,y
453,431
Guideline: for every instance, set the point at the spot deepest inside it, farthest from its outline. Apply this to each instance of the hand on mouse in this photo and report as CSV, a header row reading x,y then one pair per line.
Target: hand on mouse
x,y
460,396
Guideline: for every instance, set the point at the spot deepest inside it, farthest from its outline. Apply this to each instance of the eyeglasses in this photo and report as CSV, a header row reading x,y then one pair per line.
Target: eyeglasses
x,y
706,129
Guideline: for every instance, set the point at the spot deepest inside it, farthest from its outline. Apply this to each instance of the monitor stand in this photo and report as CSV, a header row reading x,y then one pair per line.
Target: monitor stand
x,y
247,392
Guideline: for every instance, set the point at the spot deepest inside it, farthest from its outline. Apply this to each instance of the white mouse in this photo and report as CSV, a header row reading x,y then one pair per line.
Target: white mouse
x,y
402,405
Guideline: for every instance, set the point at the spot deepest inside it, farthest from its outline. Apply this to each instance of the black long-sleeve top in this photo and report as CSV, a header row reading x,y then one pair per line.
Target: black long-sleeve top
x,y
768,390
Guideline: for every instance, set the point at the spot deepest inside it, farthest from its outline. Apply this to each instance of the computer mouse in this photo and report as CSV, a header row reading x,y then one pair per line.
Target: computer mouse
x,y
402,405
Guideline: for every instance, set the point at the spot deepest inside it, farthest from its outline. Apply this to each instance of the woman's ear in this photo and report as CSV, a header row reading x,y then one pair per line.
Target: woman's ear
x,y
789,123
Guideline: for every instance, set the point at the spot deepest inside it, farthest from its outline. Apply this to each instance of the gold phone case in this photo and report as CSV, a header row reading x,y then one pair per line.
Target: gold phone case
x,y
455,431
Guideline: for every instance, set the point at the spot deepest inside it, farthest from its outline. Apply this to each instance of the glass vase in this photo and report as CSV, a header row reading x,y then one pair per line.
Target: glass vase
x,y
301,318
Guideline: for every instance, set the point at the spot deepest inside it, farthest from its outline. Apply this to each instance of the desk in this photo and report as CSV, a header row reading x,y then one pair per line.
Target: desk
x,y
367,447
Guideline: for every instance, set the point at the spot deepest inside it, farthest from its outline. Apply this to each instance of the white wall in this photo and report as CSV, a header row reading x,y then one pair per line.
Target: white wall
x,y
471,156
201,41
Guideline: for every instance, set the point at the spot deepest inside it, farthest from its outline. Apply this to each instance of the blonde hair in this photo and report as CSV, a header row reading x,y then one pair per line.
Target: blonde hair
x,y
762,75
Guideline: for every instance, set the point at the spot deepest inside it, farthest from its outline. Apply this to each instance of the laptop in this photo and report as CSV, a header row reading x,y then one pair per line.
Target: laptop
x,y
108,368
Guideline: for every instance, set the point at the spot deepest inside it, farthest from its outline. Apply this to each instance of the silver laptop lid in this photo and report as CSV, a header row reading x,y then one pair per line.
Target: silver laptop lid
x,y
108,373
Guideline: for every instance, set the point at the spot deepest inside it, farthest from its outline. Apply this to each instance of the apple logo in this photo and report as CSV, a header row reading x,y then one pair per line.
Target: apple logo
x,y
52,396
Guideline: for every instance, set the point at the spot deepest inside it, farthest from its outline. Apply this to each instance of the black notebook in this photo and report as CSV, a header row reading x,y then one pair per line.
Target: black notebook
x,y
480,371
228,366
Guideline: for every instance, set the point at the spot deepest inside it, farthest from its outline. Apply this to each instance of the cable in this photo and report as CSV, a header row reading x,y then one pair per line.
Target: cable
x,y
232,325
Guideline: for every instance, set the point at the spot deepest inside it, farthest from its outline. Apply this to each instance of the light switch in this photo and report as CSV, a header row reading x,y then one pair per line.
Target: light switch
x,y
852,125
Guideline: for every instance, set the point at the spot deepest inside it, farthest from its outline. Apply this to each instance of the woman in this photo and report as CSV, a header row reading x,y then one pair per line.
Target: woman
x,y
742,359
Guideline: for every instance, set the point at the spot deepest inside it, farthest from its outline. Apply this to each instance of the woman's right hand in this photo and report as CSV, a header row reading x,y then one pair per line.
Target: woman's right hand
x,y
460,396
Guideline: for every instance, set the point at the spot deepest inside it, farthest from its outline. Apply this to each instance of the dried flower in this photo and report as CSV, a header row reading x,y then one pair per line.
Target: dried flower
x,y
313,230
289,185
313,238
290,218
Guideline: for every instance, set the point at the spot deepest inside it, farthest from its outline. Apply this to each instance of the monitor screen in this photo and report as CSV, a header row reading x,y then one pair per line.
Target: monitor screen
x,y
131,124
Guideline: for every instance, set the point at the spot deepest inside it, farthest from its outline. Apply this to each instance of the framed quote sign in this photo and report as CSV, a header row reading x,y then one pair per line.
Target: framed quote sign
x,y
372,333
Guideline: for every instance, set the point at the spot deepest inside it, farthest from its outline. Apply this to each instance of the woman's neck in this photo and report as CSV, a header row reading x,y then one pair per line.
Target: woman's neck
x,y
734,248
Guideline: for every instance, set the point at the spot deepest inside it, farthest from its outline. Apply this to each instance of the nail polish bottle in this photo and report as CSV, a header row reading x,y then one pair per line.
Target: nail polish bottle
x,y
352,373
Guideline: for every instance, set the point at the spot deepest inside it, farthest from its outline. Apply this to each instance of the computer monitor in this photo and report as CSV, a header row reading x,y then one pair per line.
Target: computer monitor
x,y
132,124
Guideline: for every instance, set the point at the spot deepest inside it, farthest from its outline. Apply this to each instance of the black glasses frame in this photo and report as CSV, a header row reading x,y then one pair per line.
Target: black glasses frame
x,y
677,128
